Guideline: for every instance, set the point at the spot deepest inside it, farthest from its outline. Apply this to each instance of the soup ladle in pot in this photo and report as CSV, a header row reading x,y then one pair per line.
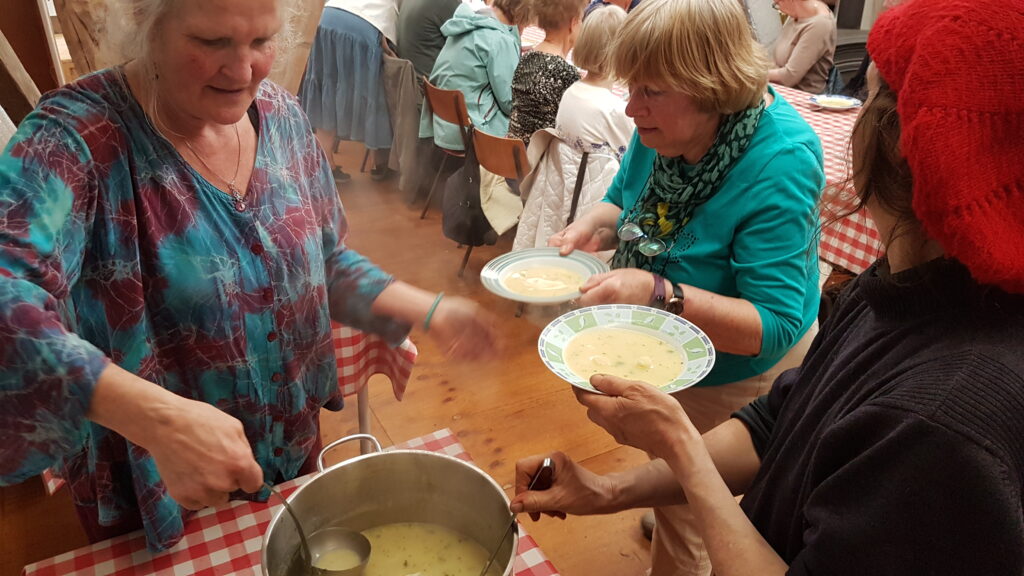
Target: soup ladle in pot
x,y
326,541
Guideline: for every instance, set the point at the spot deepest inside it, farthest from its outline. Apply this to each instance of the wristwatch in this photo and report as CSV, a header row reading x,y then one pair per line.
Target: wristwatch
x,y
674,305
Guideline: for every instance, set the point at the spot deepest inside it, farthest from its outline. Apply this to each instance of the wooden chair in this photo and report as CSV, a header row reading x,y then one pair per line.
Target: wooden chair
x,y
505,157
450,106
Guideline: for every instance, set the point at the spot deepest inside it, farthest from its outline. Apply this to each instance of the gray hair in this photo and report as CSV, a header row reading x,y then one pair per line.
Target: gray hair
x,y
132,23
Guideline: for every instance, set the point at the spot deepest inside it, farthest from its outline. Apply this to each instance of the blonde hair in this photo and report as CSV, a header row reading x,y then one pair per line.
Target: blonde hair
x,y
593,46
131,25
703,48
556,14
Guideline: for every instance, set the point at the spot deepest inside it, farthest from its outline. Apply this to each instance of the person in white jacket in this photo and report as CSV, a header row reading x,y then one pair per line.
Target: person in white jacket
x,y
592,119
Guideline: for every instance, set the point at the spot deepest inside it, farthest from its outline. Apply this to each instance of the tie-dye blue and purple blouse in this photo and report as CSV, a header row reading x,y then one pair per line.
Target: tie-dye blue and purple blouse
x,y
113,249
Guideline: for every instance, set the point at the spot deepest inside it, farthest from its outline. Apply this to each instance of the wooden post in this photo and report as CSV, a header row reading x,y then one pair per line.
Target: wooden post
x,y
84,23
18,92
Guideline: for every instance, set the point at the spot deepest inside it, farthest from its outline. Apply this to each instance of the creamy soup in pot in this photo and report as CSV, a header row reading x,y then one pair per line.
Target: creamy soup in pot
x,y
624,353
543,281
418,549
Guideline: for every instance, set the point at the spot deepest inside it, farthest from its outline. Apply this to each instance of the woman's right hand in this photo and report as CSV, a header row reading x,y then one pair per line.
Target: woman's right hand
x,y
574,489
202,455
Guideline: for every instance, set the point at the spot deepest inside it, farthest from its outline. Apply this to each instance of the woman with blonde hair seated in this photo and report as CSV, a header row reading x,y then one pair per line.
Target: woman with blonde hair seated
x,y
712,214
591,119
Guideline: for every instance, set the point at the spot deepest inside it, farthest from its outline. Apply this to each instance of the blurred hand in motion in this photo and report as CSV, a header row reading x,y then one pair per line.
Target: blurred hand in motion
x,y
202,454
637,414
620,286
574,489
464,330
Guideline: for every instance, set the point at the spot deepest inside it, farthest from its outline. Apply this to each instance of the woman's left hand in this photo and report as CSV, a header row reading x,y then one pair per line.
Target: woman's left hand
x,y
637,414
464,330
621,286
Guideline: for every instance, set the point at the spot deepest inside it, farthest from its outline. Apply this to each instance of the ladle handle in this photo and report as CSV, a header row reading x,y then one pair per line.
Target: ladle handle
x,y
369,437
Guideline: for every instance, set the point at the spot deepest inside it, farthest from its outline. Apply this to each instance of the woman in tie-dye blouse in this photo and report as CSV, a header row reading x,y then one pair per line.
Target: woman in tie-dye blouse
x,y
172,251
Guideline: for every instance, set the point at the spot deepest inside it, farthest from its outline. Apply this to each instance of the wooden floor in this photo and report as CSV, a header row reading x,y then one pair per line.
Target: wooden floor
x,y
500,411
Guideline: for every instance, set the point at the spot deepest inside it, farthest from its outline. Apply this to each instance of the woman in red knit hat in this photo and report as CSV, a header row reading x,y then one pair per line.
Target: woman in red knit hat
x,y
897,447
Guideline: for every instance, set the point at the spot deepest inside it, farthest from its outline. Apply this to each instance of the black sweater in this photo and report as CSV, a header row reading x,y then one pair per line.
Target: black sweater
x,y
898,446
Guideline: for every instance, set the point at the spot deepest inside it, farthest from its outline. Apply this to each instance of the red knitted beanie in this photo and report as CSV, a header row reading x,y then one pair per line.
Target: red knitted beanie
x,y
957,67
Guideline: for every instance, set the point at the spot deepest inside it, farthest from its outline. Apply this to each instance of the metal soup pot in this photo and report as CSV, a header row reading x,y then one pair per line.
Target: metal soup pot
x,y
388,487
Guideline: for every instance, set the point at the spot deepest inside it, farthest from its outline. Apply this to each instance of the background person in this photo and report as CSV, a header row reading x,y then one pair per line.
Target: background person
x,y
543,74
722,179
479,57
172,254
342,91
905,418
804,51
419,31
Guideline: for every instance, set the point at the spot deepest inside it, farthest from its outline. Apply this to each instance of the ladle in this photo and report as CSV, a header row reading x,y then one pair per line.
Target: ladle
x,y
327,540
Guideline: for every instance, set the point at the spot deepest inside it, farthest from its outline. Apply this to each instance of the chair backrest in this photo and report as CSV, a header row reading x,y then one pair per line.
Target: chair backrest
x,y
505,157
450,106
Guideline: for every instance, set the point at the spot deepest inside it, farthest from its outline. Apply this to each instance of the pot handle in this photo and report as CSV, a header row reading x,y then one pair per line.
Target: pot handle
x,y
339,442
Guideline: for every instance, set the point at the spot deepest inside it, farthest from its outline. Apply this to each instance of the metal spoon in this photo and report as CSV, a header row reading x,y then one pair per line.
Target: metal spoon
x,y
540,481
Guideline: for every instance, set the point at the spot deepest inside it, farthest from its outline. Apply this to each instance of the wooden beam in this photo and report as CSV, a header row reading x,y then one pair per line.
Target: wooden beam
x,y
83,23
18,93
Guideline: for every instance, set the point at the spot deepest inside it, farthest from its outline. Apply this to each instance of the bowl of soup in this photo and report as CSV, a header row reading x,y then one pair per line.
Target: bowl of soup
x,y
540,275
423,512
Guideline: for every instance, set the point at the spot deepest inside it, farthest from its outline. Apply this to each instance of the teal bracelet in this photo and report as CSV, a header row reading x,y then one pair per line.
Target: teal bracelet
x,y
430,313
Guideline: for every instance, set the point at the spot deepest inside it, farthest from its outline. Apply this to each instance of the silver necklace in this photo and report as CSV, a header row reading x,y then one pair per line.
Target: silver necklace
x,y
232,188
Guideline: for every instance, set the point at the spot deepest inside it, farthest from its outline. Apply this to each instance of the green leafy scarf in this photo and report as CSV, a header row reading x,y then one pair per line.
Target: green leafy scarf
x,y
674,192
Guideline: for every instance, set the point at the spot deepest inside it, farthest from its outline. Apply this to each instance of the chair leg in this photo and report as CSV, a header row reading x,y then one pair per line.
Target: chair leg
x,y
519,309
433,187
366,156
465,260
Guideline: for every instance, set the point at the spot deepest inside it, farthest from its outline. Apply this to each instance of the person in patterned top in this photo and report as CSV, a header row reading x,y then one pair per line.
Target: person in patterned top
x,y
543,74
172,253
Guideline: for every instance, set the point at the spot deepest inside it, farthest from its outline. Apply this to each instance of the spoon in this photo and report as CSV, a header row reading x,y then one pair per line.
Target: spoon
x,y
540,481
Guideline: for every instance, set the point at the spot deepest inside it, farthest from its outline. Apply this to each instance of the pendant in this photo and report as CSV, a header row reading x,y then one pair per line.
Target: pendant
x,y
239,203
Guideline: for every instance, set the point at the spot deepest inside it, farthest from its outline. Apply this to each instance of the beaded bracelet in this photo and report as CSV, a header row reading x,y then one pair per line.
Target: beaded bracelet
x,y
430,313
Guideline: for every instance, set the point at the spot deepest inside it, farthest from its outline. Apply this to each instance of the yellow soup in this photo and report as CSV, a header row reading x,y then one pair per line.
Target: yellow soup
x,y
624,353
416,549
835,102
341,559
543,282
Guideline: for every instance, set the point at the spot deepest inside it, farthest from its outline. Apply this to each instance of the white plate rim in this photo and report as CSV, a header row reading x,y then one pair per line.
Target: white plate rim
x,y
490,274
694,373
854,102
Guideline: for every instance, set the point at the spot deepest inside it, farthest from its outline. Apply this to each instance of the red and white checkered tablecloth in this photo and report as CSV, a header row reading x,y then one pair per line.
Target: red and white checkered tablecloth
x,y
852,241
359,356
228,540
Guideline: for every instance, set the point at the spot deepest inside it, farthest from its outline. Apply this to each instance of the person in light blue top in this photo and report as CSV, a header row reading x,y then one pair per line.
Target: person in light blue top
x,y
479,57
712,215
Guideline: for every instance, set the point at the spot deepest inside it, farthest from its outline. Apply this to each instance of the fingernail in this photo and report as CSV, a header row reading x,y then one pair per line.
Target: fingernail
x,y
516,507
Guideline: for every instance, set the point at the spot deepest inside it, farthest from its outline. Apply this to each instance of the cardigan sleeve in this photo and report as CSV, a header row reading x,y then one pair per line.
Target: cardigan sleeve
x,y
48,191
